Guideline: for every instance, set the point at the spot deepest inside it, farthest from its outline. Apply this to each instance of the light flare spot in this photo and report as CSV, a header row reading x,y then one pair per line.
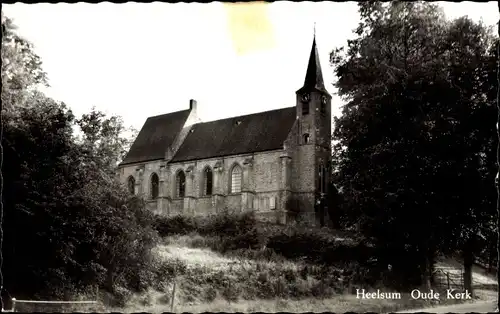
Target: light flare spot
x,y
250,27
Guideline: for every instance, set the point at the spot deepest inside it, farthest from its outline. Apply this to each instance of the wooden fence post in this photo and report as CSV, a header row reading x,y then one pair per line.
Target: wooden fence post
x,y
462,283
173,297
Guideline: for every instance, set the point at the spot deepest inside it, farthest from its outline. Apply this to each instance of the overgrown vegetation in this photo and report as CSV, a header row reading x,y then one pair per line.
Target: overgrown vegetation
x,y
69,226
259,280
415,144
280,266
240,235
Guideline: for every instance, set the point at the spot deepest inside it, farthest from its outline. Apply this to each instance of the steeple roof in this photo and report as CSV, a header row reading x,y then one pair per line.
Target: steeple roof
x,y
314,75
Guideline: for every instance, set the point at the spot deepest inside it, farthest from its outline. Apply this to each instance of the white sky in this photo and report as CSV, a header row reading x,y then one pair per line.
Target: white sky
x,y
140,60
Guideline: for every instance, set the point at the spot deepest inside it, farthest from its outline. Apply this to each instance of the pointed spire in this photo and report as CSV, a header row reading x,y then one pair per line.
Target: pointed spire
x,y
314,75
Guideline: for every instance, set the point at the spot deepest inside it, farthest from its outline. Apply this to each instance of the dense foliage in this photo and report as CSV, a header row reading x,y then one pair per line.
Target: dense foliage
x,y
242,236
415,152
69,226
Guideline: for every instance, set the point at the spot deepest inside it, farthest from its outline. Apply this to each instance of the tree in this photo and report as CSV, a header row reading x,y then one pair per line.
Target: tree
x,y
21,67
102,139
68,225
412,160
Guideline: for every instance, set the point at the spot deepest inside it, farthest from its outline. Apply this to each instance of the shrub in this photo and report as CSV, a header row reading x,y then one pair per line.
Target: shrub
x,y
241,236
248,240
69,222
231,292
121,296
164,299
321,290
228,224
210,294
175,225
225,223
259,254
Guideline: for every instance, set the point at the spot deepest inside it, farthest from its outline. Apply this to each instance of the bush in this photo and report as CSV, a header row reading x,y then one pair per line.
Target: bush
x,y
316,246
121,296
241,236
248,240
68,222
164,299
228,224
210,294
175,225
222,232
225,223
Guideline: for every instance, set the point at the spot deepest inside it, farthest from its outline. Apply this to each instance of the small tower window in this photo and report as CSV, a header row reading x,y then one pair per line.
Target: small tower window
x,y
306,138
324,101
322,178
319,178
305,109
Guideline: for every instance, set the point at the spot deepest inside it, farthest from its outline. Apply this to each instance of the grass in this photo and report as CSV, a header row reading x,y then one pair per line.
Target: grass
x,y
232,278
340,303
211,281
158,302
232,263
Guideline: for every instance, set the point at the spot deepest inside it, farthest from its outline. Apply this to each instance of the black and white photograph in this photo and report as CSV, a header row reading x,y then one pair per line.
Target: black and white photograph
x,y
250,157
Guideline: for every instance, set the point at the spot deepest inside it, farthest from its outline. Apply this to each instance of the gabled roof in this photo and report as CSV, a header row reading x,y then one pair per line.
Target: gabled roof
x,y
156,135
238,135
314,75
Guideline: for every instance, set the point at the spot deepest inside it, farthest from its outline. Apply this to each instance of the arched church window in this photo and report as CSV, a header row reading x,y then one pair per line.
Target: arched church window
x,y
131,185
207,181
180,184
272,202
236,179
306,138
256,203
154,186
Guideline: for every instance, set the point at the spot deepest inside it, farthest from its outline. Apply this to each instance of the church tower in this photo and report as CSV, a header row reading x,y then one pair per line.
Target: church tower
x,y
313,150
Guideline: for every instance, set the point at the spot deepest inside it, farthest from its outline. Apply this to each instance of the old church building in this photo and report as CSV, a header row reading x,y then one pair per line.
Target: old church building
x,y
274,163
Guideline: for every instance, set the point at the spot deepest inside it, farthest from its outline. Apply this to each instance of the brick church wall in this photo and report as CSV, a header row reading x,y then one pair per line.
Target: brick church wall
x,y
261,183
